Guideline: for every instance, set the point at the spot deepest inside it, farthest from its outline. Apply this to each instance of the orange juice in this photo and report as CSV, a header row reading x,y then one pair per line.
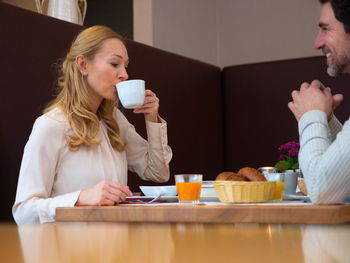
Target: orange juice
x,y
188,191
277,195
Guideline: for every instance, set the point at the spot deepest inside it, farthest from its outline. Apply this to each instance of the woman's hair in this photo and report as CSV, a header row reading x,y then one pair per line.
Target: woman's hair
x,y
341,9
73,95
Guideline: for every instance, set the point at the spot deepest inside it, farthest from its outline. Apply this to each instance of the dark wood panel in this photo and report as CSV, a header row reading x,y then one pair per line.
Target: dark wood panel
x,y
118,15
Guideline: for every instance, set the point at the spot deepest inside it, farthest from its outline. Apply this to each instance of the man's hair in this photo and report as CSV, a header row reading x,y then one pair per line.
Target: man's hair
x,y
341,9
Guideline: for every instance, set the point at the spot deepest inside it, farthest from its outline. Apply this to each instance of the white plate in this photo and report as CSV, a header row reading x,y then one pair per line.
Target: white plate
x,y
206,184
210,199
166,190
295,197
167,199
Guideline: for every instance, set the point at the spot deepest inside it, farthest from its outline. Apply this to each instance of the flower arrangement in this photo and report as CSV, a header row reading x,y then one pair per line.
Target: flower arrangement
x,y
288,157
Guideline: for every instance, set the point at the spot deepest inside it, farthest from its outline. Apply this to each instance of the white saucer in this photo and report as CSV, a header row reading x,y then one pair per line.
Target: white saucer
x,y
168,199
210,199
295,197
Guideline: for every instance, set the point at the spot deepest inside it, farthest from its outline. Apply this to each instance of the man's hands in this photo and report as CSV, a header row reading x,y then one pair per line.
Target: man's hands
x,y
314,96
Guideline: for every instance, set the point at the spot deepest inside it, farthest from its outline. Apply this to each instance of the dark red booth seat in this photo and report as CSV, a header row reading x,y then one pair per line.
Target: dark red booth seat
x,y
190,93
257,119
30,45
191,102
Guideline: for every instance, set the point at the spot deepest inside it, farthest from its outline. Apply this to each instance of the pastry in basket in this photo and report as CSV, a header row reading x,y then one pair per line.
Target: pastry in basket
x,y
251,174
237,177
223,176
302,186
229,176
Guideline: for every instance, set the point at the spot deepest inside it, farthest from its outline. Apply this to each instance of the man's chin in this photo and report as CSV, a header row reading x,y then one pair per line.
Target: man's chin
x,y
333,71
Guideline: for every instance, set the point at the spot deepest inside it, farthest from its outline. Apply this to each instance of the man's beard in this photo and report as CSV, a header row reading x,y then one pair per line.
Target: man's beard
x,y
339,66
333,71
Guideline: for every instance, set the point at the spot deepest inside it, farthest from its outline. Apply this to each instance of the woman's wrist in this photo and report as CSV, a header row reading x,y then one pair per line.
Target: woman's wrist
x,y
152,118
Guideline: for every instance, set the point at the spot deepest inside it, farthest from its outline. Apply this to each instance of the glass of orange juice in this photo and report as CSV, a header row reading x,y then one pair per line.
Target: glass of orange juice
x,y
279,189
189,187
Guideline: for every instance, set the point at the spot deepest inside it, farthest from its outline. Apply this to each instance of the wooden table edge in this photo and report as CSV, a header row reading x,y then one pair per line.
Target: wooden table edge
x,y
296,214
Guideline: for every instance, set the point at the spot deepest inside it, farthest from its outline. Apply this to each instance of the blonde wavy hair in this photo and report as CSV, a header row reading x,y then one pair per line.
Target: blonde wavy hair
x,y
73,94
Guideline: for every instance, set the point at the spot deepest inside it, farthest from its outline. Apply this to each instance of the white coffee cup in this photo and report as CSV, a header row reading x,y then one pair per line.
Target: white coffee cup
x,y
131,93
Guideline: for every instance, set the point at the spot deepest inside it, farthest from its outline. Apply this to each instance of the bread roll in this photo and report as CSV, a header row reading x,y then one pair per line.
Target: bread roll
x,y
251,174
224,176
230,176
237,177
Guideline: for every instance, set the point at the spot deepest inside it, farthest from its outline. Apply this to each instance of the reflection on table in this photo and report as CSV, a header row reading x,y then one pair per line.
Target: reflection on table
x,y
326,243
141,242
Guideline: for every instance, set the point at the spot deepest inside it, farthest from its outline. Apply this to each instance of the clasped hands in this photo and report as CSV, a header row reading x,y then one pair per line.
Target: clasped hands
x,y
314,96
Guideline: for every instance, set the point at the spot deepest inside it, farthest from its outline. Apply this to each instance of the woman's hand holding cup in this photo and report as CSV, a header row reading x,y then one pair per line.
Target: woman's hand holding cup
x,y
132,95
150,107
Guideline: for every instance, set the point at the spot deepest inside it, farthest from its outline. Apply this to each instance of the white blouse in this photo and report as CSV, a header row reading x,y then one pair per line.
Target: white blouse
x,y
52,176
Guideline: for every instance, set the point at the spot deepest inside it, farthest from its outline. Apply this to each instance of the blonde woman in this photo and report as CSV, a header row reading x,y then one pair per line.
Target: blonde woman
x,y
79,151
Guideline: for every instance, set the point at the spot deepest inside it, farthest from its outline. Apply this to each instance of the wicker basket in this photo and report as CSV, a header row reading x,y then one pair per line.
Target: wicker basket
x,y
302,186
244,192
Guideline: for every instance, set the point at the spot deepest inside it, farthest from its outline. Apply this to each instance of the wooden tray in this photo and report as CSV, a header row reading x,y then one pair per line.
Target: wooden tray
x,y
294,214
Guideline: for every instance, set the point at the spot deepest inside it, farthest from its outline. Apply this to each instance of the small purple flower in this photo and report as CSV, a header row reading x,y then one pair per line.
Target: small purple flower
x,y
283,147
281,157
289,149
293,153
295,145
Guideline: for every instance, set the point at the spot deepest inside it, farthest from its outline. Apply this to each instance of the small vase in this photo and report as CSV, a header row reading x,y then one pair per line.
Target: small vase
x,y
69,10
290,182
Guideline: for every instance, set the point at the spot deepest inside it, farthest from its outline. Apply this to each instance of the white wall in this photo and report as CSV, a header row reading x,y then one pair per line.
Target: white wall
x,y
27,4
143,21
232,32
255,30
186,27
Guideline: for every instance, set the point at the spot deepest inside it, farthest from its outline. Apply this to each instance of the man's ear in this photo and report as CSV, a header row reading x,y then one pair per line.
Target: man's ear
x,y
81,64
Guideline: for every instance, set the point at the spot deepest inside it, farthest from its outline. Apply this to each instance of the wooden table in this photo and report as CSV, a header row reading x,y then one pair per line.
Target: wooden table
x,y
163,243
296,213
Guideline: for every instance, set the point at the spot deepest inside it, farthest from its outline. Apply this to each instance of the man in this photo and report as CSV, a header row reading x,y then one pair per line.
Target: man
x,y
324,155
